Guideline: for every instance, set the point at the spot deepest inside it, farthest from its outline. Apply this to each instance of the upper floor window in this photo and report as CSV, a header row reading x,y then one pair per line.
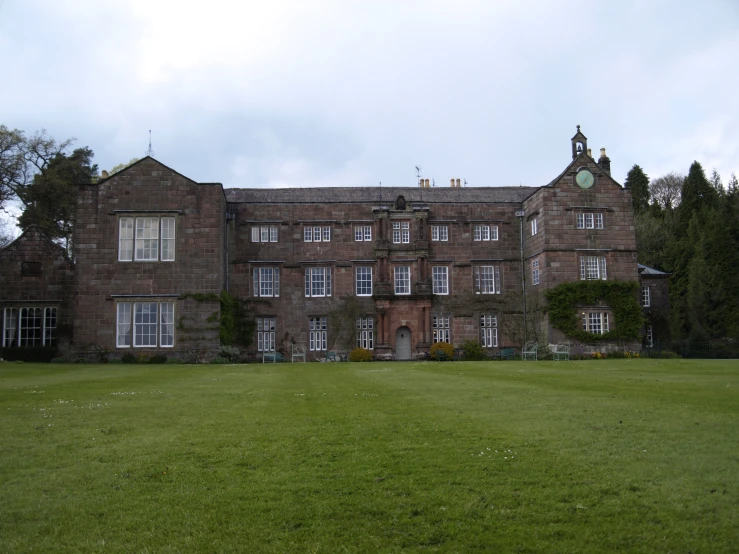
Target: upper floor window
x,y
402,280
317,234
488,331
595,322
146,239
439,233
440,279
535,272
363,233
145,324
364,281
487,279
485,232
26,327
264,233
534,226
318,281
589,221
401,232
592,267
440,326
266,281
365,332
266,327
646,299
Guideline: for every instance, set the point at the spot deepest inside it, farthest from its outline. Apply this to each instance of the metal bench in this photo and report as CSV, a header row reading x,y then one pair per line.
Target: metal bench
x,y
273,357
529,351
561,352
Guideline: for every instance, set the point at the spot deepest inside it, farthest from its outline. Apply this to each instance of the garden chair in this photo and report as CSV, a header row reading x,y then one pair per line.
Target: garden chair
x,y
298,352
507,353
530,351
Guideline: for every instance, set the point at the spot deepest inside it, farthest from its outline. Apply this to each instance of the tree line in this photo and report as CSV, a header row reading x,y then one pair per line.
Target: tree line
x,y
689,226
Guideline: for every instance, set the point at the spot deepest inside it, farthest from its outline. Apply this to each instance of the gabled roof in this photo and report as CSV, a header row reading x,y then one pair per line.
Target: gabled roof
x,y
34,232
580,159
149,158
380,195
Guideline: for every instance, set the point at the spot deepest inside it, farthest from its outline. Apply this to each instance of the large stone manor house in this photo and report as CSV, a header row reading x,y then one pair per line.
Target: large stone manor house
x,y
391,269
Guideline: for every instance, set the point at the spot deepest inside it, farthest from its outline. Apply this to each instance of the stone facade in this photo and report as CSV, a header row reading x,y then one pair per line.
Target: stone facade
x,y
391,268
37,289
149,274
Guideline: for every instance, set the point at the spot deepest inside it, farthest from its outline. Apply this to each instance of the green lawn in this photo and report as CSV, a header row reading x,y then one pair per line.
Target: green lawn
x,y
592,456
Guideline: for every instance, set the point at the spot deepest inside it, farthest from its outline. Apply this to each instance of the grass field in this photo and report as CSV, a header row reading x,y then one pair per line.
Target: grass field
x,y
592,456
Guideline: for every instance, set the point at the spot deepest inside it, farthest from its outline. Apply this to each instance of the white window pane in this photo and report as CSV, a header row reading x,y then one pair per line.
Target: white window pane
x,y
123,332
166,324
273,234
168,238
125,239
145,324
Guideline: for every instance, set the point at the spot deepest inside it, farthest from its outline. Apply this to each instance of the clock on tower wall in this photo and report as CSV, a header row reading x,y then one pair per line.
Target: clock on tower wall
x,y
584,178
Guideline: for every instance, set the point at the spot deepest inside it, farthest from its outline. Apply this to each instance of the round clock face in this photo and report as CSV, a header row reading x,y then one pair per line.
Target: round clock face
x,y
584,179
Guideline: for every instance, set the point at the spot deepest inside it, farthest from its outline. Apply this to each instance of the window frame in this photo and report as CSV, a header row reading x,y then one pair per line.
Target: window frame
x,y
595,322
366,332
486,279
535,272
317,334
160,324
266,329
646,297
402,277
440,279
439,233
441,329
401,232
264,233
489,331
593,268
363,280
534,226
318,279
260,280
133,242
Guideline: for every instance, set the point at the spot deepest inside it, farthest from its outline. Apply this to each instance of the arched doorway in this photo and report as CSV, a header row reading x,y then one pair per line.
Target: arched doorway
x,y
403,343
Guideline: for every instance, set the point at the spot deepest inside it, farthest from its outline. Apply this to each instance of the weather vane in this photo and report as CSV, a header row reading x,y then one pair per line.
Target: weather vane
x,y
149,151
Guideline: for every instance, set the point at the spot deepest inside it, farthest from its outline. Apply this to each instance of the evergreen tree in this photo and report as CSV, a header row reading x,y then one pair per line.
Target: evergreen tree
x,y
50,199
697,193
638,182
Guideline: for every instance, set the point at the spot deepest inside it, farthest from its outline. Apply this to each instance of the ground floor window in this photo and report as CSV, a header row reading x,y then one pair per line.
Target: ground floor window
x,y
365,333
440,326
28,327
488,331
649,337
266,327
595,322
318,338
145,324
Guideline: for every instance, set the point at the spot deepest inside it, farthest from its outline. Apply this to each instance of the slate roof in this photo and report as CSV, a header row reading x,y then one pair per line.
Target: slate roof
x,y
380,195
646,270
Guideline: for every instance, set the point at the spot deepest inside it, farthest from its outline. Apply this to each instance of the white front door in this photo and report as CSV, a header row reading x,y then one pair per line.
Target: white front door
x,y
403,344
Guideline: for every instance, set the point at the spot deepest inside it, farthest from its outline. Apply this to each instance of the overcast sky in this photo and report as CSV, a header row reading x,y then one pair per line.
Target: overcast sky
x,y
350,93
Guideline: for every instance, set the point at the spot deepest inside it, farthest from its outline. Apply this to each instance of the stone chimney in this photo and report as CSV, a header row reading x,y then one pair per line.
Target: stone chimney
x,y
604,161
426,183
104,174
590,153
451,183
459,183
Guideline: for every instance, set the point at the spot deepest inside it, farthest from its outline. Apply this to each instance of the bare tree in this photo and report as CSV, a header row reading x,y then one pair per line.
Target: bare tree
x,y
665,190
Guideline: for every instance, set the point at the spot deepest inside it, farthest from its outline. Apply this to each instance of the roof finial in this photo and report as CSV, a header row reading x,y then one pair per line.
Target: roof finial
x,y
149,151
578,128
